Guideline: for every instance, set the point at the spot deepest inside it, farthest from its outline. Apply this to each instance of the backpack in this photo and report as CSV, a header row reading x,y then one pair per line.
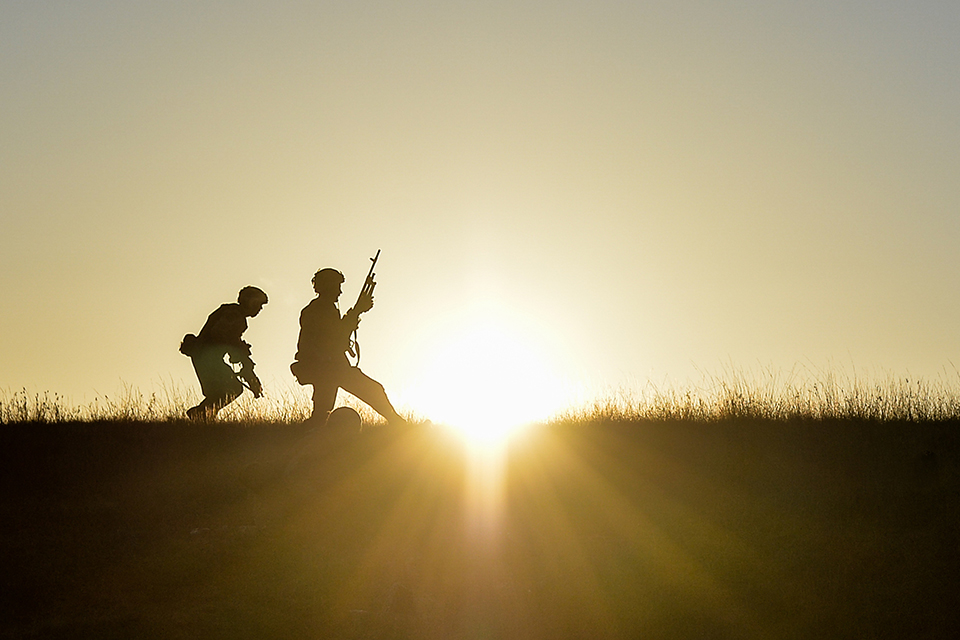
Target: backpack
x,y
190,345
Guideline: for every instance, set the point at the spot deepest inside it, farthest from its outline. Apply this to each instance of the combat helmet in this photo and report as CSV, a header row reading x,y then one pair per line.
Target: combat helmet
x,y
325,279
252,295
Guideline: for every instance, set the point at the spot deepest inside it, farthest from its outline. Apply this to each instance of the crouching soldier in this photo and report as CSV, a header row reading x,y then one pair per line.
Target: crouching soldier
x,y
221,336
322,348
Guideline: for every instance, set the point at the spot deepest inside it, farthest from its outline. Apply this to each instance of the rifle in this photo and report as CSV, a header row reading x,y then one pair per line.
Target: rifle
x,y
246,375
365,291
249,379
369,283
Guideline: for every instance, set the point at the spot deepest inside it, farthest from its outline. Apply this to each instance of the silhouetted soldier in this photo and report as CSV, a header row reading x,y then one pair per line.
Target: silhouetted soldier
x,y
221,336
322,349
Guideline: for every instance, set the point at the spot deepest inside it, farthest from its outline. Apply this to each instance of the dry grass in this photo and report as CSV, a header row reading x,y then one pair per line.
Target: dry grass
x,y
769,395
650,526
821,395
168,402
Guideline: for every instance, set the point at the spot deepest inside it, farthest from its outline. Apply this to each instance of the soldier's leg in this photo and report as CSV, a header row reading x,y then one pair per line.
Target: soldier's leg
x,y
324,397
218,382
211,405
365,388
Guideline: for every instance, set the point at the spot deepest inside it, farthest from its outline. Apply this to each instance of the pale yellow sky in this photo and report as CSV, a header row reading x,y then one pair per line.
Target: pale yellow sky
x,y
637,191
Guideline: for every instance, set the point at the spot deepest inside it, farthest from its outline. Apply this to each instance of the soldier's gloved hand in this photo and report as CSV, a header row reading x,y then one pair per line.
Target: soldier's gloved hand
x,y
364,303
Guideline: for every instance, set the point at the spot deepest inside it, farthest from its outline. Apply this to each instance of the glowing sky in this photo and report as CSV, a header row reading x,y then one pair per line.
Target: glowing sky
x,y
645,188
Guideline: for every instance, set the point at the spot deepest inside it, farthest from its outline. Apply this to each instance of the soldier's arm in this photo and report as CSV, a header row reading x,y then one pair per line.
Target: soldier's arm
x,y
350,321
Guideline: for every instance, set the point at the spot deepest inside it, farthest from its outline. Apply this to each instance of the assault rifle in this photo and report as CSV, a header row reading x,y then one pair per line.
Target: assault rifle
x,y
246,375
369,284
249,379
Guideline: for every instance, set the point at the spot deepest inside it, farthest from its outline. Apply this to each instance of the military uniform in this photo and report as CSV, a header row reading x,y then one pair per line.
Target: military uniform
x,y
321,361
221,336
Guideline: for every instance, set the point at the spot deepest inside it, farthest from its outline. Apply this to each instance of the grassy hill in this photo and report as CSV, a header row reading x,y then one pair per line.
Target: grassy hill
x,y
736,527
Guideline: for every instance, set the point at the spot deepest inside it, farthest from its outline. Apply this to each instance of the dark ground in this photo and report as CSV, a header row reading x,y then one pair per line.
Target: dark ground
x,y
736,529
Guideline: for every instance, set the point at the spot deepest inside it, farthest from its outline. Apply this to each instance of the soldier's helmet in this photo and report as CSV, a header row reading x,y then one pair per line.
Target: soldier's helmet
x,y
252,296
326,279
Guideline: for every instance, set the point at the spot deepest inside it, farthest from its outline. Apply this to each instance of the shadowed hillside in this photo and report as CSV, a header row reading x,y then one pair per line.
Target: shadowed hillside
x,y
737,528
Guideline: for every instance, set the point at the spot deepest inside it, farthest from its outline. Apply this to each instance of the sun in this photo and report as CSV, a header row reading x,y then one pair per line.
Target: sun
x,y
486,377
